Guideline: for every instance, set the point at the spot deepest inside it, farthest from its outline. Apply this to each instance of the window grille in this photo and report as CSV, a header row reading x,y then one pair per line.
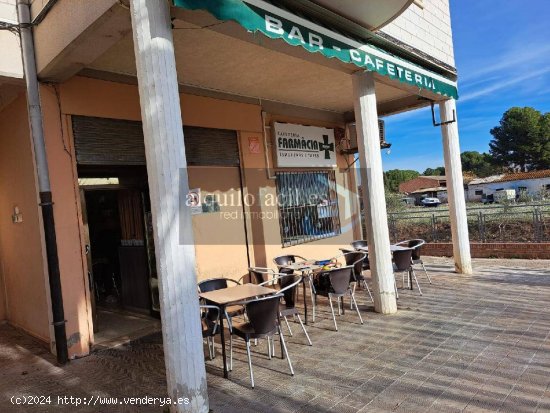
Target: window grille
x,y
308,206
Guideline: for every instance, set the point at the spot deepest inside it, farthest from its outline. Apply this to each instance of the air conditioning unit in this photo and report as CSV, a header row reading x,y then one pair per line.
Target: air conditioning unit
x,y
352,137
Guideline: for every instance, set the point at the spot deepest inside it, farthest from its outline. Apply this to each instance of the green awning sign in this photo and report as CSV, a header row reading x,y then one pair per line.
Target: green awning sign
x,y
275,23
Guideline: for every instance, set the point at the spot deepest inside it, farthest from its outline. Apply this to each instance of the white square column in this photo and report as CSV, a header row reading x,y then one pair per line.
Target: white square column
x,y
374,201
455,188
167,175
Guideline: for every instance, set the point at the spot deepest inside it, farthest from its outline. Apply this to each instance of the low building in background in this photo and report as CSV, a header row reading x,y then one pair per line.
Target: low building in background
x,y
531,185
422,182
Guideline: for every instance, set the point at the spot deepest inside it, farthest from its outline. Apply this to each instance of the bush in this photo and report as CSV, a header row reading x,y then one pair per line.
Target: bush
x,y
394,202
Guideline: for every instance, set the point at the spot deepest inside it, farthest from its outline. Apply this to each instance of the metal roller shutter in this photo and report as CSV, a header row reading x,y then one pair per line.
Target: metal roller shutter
x,y
211,147
102,141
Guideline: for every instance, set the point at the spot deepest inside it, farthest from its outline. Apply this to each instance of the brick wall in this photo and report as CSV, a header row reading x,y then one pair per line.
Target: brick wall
x,y
427,29
492,250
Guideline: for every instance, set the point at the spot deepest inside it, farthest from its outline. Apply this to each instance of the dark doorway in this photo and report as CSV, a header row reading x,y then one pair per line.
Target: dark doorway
x,y
118,249
115,211
104,230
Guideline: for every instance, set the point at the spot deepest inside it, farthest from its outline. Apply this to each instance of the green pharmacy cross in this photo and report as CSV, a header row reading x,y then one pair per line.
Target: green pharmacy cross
x,y
327,147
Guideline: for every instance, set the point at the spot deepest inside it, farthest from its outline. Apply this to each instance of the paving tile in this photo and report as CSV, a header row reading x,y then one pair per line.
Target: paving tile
x,y
479,343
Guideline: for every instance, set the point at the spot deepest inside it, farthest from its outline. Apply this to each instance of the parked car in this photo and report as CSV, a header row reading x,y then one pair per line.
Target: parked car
x,y
430,202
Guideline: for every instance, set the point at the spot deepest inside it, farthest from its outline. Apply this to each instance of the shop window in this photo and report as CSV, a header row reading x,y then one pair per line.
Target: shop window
x,y
308,206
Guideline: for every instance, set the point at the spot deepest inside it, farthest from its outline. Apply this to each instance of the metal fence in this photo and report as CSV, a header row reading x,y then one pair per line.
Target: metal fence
x,y
494,223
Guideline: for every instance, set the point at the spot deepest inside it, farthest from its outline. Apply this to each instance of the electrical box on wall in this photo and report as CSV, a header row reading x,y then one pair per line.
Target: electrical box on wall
x,y
17,216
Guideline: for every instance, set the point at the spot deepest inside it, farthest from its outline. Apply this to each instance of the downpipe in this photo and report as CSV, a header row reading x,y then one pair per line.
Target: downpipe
x,y
46,202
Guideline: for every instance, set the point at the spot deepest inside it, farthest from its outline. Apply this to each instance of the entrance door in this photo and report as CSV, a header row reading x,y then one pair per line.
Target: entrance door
x,y
114,232
132,252
104,234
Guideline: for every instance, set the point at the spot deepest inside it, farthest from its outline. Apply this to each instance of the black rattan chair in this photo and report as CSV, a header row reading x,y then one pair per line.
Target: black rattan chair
x,y
210,319
335,283
357,260
263,322
283,260
402,263
214,284
257,275
287,284
416,245
361,245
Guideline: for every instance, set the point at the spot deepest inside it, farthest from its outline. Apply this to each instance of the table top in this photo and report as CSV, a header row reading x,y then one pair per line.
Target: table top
x,y
303,266
229,295
392,248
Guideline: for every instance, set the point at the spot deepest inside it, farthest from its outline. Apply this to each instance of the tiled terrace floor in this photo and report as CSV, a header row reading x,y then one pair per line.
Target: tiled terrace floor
x,y
478,343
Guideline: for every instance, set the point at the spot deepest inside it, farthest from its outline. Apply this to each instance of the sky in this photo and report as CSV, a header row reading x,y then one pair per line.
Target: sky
x,y
502,54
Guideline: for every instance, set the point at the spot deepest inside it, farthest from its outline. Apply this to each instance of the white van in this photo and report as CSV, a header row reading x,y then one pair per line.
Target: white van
x,y
505,194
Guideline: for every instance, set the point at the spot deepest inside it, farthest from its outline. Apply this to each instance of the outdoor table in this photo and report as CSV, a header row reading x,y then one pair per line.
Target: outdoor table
x,y
306,268
392,249
230,295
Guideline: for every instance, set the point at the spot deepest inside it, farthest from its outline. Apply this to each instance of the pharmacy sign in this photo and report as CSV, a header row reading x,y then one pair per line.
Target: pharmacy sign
x,y
299,146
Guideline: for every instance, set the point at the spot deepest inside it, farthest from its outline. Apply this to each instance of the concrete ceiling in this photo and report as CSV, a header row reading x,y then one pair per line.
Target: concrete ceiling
x,y
212,60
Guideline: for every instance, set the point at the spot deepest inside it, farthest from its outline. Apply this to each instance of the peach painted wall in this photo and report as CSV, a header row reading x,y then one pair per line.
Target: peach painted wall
x,y
121,101
91,97
21,249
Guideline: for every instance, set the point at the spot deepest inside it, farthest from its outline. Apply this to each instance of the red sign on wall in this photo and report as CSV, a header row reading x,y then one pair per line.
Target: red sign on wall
x,y
254,145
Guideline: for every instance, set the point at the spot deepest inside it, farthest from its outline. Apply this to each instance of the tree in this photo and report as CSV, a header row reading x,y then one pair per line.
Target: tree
x,y
522,140
439,171
478,164
394,177
543,161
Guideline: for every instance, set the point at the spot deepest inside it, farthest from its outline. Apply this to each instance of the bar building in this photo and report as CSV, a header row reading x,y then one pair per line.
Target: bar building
x,y
145,100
